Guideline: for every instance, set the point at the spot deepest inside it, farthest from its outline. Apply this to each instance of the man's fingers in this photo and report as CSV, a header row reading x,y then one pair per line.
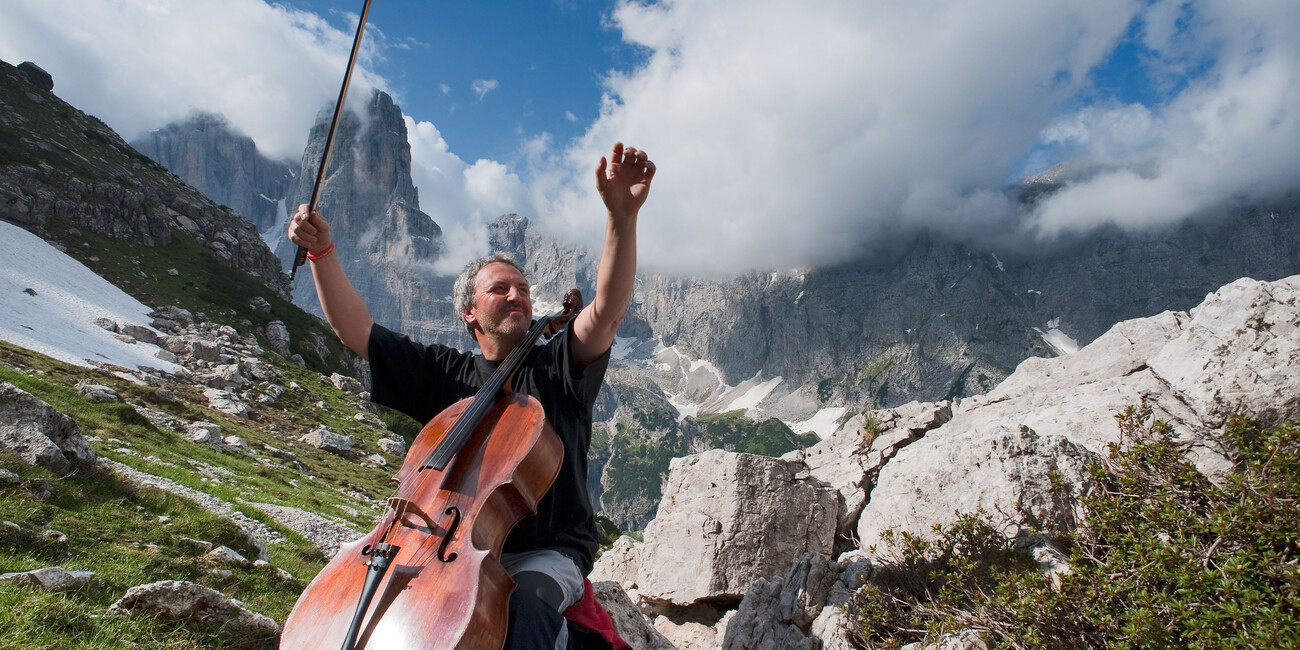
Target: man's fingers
x,y
601,179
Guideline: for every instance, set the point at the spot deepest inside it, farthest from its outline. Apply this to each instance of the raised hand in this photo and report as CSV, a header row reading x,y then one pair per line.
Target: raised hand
x,y
624,180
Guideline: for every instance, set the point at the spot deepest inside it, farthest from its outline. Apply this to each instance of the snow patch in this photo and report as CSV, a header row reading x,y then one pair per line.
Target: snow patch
x,y
1060,342
823,422
749,397
622,346
59,320
273,235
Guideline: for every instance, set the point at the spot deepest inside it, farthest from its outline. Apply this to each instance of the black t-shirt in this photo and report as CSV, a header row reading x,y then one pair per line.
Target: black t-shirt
x,y
423,380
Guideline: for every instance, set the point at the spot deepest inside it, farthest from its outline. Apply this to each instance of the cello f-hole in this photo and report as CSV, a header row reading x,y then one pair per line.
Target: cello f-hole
x,y
451,530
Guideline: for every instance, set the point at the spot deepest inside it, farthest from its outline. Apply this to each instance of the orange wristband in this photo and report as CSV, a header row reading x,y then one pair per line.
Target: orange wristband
x,y
315,256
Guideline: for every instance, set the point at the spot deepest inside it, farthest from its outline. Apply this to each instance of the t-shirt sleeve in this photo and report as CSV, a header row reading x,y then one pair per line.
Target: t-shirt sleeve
x,y
416,379
583,382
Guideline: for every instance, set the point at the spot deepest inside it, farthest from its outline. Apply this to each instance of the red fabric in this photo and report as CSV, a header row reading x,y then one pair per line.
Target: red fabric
x,y
588,613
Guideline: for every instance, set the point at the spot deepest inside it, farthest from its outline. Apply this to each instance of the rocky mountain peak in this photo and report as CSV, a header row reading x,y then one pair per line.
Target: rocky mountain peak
x,y
387,245
226,166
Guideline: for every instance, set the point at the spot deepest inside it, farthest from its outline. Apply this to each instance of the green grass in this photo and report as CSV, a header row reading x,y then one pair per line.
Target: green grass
x,y
113,526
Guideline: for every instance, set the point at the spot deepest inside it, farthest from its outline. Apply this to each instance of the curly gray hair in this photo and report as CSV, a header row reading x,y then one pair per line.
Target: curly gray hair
x,y
462,293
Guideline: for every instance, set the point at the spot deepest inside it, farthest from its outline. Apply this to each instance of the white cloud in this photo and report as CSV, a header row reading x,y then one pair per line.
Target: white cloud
x,y
790,134
482,87
140,65
461,198
1233,134
786,134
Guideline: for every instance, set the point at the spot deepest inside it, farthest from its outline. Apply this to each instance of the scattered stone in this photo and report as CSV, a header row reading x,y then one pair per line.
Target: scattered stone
x,y
58,537
173,272
346,384
8,477
259,303
323,438
180,600
236,443
51,579
39,435
205,433
140,333
96,392
224,401
284,575
204,546
29,291
107,324
393,446
227,555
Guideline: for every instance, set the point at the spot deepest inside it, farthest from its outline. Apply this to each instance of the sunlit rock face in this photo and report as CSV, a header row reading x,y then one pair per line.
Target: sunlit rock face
x,y
385,243
223,164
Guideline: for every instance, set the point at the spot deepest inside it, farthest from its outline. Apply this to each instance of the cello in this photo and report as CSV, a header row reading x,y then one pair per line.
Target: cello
x,y
430,572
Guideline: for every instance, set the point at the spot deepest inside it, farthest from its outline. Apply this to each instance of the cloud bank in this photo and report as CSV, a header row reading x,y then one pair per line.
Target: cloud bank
x,y
786,134
794,135
141,65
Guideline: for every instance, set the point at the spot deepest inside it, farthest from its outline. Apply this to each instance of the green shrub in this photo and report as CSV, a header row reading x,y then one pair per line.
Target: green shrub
x,y
1163,558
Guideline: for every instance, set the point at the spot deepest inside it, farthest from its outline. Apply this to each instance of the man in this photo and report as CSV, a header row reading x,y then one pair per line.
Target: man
x,y
550,553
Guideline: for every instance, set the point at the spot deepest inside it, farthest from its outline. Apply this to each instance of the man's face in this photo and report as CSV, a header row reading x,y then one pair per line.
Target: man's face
x,y
503,308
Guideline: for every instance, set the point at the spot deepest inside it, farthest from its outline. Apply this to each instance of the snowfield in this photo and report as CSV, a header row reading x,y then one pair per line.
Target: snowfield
x,y
49,303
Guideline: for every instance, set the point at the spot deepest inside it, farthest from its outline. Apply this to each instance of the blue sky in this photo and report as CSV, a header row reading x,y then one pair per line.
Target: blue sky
x,y
786,134
538,64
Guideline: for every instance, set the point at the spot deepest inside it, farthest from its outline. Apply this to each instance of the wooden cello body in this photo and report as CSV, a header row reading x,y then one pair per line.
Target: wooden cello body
x,y
429,575
446,577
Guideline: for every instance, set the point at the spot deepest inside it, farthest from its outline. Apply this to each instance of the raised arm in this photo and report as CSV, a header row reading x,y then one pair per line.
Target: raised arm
x,y
623,182
344,309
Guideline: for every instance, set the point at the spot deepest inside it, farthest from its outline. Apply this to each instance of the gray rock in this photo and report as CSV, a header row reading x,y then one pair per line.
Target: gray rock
x,y
140,333
227,555
96,392
178,600
775,611
39,435
725,522
323,438
346,384
277,334
51,579
630,623
393,446
36,76
225,402
205,433
259,303
1005,472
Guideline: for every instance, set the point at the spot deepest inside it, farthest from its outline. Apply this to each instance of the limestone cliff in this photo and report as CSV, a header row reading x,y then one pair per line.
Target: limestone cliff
x,y
224,165
387,245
